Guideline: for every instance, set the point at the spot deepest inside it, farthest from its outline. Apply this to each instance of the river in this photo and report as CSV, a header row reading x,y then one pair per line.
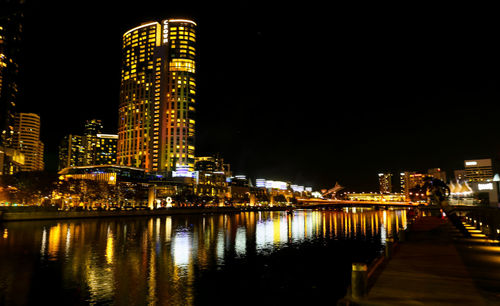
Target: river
x,y
247,258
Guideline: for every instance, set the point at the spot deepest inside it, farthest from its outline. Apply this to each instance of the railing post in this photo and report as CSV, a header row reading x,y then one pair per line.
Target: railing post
x,y
359,280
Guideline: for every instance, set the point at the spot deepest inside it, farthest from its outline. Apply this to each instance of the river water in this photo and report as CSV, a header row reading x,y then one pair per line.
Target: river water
x,y
248,258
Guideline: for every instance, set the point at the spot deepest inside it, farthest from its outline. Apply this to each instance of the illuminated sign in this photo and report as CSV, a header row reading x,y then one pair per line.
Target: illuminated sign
x,y
485,186
165,31
471,163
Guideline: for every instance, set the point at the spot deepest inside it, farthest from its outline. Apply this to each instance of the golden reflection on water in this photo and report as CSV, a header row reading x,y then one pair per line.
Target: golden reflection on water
x,y
154,261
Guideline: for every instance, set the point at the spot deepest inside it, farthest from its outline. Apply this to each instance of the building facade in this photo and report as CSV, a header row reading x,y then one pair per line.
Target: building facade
x,y
27,140
11,33
90,149
156,125
478,170
385,182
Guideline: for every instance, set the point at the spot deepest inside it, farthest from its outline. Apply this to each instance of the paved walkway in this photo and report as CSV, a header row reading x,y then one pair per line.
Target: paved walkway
x,y
437,266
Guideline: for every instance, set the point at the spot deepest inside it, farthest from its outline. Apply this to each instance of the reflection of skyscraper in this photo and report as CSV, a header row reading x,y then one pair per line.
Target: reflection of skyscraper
x,y
157,96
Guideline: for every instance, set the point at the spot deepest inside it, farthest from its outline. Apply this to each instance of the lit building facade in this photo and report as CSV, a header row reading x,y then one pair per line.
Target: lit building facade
x,y
27,140
478,170
71,152
11,34
385,182
90,149
156,126
11,29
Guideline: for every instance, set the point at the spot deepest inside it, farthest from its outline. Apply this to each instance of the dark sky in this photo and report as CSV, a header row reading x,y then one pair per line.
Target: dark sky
x,y
297,90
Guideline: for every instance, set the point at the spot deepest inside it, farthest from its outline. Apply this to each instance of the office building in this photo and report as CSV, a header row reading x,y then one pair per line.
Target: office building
x,y
71,152
11,33
385,182
156,126
90,149
212,175
478,170
27,140
411,181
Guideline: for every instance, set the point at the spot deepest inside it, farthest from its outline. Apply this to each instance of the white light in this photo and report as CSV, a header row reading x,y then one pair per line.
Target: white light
x,y
486,186
471,163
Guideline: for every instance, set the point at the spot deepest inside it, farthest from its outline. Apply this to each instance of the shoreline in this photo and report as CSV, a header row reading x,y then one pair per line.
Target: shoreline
x,y
8,216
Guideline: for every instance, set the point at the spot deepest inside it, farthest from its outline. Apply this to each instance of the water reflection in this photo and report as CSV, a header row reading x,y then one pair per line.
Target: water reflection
x,y
146,261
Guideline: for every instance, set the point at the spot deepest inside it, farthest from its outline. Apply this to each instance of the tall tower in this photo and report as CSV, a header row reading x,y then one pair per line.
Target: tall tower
x,y
27,140
385,182
156,126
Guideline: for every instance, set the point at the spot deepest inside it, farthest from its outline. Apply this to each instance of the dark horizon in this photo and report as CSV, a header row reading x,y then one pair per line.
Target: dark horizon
x,y
308,94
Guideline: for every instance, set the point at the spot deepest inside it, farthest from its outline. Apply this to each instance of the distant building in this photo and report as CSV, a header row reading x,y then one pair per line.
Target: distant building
x,y
385,182
27,140
437,173
411,180
212,174
11,160
478,170
71,152
105,149
90,149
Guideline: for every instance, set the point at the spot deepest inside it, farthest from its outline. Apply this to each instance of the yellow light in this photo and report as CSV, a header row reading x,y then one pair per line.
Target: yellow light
x,y
141,26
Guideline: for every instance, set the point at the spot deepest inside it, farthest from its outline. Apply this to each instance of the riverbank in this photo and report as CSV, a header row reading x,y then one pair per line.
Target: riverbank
x,y
12,215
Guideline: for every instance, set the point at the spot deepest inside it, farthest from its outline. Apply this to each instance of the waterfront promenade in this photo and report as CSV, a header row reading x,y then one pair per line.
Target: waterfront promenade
x,y
438,265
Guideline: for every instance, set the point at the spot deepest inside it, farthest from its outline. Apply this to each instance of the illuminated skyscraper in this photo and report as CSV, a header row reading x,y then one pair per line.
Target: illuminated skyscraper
x,y
156,125
11,29
27,140
91,149
385,182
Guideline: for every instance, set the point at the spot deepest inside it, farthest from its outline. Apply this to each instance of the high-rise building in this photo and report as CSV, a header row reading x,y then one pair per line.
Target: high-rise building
x,y
11,29
27,140
71,152
89,141
411,180
156,126
478,170
385,182
105,149
91,149
11,32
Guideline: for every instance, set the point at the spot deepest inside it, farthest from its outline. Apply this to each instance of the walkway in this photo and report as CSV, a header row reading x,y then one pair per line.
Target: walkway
x,y
438,266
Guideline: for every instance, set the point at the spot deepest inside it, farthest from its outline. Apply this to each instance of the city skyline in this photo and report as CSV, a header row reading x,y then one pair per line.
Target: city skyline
x,y
265,102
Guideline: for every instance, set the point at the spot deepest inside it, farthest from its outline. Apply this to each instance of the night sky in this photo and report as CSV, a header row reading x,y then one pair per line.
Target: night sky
x,y
300,91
